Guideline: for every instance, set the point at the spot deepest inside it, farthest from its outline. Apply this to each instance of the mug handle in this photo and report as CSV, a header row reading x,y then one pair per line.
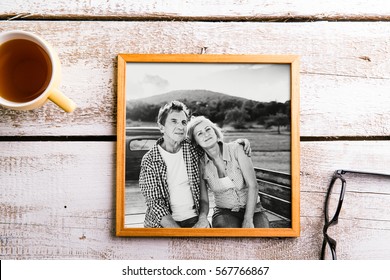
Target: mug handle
x,y
62,101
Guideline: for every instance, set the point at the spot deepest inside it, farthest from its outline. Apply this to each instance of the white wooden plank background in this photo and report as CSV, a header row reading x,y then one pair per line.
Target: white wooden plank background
x,y
57,198
249,10
340,62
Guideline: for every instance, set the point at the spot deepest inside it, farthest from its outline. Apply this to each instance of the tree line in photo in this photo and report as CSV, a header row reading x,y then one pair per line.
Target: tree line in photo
x,y
238,112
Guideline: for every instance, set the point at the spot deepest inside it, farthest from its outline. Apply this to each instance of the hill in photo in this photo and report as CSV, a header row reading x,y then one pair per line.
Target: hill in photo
x,y
198,95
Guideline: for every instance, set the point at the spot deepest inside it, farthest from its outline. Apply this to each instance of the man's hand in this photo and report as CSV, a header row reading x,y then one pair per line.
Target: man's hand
x,y
168,222
246,146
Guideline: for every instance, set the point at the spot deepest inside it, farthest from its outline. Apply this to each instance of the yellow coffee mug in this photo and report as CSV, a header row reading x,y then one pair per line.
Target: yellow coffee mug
x,y
30,73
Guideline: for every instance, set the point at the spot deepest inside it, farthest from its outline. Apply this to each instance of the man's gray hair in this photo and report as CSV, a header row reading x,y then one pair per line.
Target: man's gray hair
x,y
169,107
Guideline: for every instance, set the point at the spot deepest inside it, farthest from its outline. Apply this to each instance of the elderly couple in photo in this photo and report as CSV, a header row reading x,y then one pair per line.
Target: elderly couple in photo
x,y
188,161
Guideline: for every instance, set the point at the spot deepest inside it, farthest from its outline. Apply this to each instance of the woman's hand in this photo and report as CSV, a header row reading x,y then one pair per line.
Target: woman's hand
x,y
248,223
202,223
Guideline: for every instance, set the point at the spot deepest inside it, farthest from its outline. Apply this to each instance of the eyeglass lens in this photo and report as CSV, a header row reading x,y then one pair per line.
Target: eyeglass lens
x,y
328,251
334,198
334,201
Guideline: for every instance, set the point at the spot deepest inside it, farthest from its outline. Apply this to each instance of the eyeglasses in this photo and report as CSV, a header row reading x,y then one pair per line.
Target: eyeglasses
x,y
333,203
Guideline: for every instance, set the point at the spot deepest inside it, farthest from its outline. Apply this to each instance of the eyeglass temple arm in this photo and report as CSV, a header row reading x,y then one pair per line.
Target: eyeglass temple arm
x,y
343,171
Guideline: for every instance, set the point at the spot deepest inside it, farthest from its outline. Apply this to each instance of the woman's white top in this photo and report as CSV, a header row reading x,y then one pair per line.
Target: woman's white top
x,y
230,192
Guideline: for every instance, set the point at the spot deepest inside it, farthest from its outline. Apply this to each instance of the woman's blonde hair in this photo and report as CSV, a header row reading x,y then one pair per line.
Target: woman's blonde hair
x,y
194,121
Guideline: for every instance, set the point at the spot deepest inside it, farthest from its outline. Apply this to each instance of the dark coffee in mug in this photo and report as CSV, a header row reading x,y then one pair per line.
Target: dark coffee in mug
x,y
25,70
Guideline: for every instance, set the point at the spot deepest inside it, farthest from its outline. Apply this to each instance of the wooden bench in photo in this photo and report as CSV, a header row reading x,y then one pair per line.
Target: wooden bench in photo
x,y
275,196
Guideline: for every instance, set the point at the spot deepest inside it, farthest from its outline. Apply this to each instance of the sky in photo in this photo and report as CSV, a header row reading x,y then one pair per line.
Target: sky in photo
x,y
259,82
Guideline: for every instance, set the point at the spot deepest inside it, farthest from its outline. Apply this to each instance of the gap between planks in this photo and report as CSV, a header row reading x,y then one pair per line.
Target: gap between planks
x,y
112,138
174,17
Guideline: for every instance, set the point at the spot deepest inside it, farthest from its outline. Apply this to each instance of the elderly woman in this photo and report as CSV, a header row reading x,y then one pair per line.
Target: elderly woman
x,y
228,172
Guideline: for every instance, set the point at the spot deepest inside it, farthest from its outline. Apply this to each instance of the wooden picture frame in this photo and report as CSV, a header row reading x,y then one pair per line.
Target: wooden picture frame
x,y
279,191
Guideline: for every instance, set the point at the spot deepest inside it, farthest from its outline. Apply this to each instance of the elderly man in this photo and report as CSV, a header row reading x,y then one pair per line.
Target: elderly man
x,y
169,178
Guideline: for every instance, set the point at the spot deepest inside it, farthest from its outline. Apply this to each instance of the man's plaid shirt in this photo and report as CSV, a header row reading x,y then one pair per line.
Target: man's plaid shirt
x,y
154,185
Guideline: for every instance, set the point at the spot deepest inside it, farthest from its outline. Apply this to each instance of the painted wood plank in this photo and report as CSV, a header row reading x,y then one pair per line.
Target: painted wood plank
x,y
59,203
320,159
340,62
249,10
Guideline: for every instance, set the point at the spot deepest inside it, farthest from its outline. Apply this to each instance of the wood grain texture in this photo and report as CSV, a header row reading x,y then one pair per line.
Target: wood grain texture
x,y
57,199
58,203
340,62
248,10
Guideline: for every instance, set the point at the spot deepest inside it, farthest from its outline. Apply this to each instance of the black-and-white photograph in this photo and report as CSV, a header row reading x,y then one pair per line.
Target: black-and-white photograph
x,y
207,145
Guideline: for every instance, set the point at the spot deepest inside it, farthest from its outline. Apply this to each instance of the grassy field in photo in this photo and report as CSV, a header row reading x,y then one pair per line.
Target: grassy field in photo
x,y
270,150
